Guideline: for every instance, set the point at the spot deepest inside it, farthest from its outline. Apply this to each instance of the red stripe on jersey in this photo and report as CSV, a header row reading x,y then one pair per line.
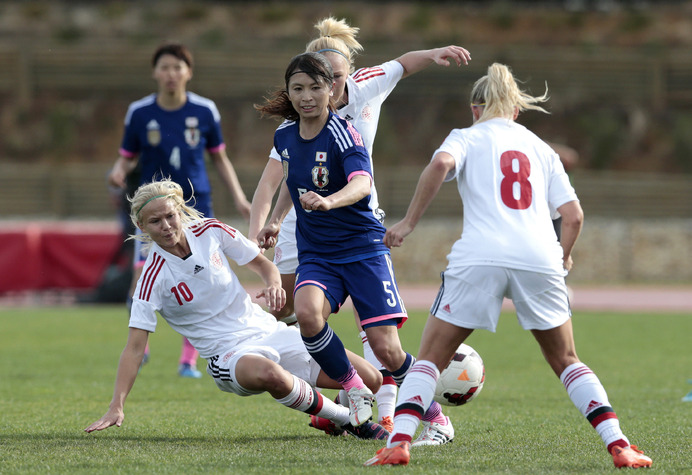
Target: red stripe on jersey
x,y
366,73
149,276
199,229
369,74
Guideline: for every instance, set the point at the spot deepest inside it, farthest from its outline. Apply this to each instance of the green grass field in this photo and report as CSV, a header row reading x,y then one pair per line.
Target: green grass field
x,y
57,368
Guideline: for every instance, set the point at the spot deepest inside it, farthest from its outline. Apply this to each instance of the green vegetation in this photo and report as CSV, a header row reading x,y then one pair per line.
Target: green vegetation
x,y
58,366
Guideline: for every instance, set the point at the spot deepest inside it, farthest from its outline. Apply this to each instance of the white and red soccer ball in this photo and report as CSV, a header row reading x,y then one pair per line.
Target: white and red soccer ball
x,y
462,380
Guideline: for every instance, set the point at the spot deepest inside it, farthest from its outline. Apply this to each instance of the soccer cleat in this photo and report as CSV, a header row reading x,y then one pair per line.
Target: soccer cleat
x,y
368,430
397,454
630,457
320,423
187,371
387,423
360,405
435,434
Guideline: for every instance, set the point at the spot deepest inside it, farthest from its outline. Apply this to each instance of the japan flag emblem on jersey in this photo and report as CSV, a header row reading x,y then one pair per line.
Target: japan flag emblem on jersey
x,y
192,133
320,176
321,156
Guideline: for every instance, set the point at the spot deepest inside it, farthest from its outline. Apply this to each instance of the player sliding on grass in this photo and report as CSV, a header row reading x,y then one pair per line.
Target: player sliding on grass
x,y
509,181
188,280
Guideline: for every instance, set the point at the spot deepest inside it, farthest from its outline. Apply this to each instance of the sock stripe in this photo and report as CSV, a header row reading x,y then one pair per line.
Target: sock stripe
x,y
414,410
317,403
599,415
574,375
426,370
619,443
321,341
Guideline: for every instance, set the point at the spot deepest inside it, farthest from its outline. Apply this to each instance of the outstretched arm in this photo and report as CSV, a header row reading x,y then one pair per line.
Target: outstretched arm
x,y
130,359
264,193
415,61
429,184
227,172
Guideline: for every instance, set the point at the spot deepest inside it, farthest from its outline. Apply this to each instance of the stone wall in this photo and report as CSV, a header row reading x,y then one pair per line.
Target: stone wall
x,y
608,251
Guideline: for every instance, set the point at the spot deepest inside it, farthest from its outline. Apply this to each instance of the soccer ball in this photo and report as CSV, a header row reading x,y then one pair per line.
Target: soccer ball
x,y
462,379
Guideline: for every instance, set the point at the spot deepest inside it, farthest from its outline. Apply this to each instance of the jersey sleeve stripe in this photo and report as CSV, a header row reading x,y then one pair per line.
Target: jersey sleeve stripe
x,y
204,102
368,73
149,276
218,148
199,229
343,138
359,172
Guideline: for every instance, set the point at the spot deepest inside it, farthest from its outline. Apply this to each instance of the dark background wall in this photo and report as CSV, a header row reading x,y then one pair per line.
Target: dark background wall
x,y
619,76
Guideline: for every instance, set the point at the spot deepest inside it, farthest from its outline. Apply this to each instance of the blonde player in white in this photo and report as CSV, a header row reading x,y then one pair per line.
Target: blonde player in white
x,y
510,181
358,96
188,280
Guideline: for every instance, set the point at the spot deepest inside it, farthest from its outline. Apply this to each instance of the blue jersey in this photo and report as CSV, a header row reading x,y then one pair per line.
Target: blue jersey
x,y
172,143
325,164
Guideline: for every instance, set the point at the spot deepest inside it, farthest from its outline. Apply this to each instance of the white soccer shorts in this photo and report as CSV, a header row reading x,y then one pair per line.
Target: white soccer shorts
x,y
286,250
471,297
285,347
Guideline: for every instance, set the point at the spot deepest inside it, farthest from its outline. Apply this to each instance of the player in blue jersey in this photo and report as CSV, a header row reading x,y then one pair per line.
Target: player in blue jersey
x,y
168,133
359,96
328,178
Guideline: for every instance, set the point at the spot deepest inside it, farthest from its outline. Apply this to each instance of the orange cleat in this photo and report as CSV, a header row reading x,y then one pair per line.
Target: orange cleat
x,y
630,457
387,423
398,454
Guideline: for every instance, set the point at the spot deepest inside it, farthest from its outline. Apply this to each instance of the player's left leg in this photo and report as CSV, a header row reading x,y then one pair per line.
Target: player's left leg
x,y
187,365
588,394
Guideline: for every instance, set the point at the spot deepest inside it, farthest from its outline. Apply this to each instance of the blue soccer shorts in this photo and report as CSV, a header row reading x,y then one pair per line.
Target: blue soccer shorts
x,y
369,282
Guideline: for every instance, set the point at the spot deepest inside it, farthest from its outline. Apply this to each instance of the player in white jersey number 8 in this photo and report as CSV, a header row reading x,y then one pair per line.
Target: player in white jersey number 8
x,y
509,182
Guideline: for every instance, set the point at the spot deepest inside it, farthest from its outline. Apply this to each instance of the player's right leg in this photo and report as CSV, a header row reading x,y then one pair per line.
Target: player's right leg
x,y
313,306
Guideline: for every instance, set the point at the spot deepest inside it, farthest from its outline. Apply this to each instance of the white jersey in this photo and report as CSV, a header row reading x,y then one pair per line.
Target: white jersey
x,y
200,297
367,90
509,181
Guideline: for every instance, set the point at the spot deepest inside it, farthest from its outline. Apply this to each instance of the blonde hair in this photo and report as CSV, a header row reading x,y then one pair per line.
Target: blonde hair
x,y
164,188
337,36
499,93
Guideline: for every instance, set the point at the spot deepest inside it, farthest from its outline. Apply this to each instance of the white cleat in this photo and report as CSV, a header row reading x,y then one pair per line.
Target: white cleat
x,y
360,405
435,434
